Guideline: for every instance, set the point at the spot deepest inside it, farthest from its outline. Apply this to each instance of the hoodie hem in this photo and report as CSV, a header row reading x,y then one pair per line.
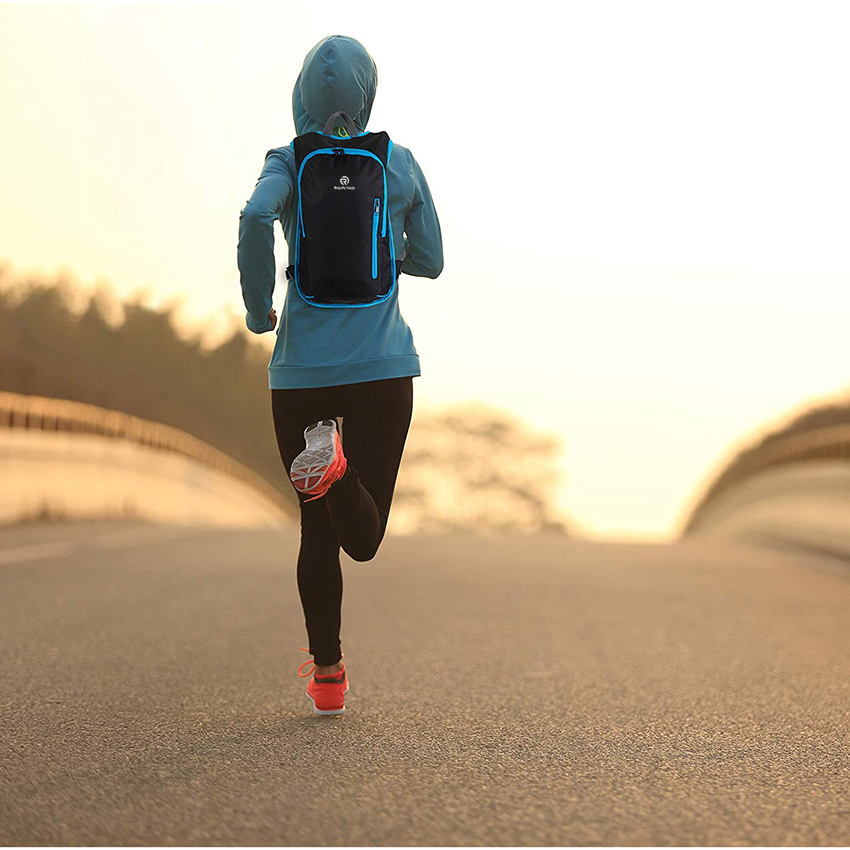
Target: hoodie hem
x,y
376,369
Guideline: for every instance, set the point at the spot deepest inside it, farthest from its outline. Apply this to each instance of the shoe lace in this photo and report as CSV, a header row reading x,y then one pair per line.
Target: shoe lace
x,y
310,661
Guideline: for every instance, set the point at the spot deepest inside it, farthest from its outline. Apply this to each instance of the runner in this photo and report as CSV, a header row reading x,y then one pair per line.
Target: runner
x,y
357,363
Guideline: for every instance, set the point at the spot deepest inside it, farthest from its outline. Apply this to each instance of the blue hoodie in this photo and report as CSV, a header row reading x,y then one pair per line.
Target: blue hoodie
x,y
317,347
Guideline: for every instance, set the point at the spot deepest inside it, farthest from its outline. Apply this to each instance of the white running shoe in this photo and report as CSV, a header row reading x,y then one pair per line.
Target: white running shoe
x,y
322,462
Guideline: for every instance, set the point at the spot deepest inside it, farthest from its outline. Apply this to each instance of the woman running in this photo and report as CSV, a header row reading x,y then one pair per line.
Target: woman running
x,y
357,362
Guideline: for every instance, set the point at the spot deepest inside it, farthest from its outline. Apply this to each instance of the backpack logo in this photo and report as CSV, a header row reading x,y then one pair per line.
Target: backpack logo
x,y
343,183
343,180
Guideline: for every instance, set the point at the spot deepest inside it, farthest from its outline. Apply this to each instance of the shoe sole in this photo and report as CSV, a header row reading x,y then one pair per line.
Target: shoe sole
x,y
311,466
328,710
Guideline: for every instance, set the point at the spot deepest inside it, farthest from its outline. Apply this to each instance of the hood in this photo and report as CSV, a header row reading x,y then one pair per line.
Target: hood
x,y
338,75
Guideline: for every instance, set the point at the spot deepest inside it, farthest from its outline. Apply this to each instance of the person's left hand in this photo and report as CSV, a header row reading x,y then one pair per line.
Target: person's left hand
x,y
272,318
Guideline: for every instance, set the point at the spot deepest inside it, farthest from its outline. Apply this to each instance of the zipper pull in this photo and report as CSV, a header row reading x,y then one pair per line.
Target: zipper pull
x,y
377,206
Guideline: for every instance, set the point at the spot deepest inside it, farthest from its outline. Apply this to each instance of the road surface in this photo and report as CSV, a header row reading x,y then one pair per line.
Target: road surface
x,y
503,692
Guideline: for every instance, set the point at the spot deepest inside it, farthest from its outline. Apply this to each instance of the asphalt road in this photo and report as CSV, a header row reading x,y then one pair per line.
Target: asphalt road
x,y
503,692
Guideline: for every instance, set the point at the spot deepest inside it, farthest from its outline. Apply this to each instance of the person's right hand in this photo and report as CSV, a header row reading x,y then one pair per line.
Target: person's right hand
x,y
272,318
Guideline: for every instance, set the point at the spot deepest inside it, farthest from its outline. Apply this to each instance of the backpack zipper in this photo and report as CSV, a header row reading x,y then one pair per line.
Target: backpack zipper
x,y
376,213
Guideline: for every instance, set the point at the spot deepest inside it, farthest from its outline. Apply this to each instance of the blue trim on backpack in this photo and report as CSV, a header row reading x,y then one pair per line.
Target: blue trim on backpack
x,y
392,241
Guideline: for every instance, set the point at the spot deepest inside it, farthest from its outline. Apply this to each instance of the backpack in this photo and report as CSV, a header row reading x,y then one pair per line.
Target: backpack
x,y
344,252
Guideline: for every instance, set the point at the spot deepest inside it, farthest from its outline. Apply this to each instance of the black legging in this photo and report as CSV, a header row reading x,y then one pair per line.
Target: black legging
x,y
376,417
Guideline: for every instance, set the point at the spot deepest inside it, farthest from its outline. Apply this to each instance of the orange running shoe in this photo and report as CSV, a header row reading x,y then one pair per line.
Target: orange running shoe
x,y
322,462
327,693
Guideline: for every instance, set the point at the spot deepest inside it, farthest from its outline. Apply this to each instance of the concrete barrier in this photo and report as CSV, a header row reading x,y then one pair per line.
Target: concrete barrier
x,y
65,459
799,505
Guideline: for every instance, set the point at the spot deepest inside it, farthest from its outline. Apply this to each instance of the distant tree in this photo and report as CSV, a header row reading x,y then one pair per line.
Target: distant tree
x,y
475,468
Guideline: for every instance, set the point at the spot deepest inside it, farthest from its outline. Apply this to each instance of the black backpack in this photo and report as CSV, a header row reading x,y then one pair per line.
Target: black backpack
x,y
344,253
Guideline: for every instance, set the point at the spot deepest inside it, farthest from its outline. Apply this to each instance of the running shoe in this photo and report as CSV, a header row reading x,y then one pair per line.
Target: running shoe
x,y
327,693
322,462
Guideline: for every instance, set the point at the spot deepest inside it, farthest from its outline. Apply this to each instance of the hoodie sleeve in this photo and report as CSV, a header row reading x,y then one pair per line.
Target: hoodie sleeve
x,y
255,251
423,241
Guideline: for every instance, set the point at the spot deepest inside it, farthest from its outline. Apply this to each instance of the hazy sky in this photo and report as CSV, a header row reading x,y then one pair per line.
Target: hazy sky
x,y
644,205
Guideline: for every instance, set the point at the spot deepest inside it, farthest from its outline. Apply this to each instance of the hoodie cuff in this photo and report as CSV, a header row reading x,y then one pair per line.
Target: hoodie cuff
x,y
258,324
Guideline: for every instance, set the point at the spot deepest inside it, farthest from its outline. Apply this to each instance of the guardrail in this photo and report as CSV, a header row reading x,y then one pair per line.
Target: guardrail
x,y
829,443
51,414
